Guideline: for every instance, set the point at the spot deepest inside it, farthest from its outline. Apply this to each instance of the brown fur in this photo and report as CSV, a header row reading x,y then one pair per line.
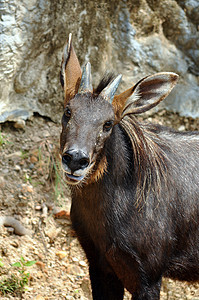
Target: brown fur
x,y
99,172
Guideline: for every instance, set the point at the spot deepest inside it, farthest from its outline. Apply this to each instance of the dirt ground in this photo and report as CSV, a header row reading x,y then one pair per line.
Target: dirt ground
x,y
33,192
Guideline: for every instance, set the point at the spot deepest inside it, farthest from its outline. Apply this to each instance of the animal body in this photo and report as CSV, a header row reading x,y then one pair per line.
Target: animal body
x,y
134,186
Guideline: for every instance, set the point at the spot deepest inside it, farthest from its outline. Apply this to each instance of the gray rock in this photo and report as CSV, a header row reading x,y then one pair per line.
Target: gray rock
x,y
135,38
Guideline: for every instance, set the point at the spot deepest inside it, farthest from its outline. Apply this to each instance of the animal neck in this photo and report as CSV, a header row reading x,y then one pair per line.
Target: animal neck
x,y
135,162
119,156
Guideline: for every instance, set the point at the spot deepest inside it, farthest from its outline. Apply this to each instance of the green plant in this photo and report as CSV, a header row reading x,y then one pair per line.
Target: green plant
x,y
15,283
59,184
1,264
24,154
3,140
54,170
27,178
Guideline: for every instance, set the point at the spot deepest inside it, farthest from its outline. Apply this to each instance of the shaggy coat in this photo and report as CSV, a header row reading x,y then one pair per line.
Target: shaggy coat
x,y
134,186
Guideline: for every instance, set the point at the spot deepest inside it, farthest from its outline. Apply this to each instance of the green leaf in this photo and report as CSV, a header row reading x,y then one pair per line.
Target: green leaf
x,y
22,260
30,263
17,264
1,264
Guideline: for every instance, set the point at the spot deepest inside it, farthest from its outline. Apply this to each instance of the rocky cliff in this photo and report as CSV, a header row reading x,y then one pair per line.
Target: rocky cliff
x,y
135,38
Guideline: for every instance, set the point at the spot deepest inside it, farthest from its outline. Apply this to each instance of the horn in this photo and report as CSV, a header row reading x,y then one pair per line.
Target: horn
x,y
66,53
86,81
109,92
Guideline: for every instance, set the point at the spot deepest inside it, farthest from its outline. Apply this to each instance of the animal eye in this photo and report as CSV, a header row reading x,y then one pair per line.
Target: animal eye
x,y
67,113
107,126
66,116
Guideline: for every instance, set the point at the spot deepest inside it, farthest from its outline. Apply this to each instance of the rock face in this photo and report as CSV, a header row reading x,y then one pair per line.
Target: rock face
x,y
132,37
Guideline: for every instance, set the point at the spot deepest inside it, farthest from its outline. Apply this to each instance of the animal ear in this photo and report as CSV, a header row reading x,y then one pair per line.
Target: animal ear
x,y
70,75
146,94
120,100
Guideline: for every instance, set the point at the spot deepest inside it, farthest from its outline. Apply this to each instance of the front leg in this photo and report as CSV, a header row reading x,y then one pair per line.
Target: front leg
x,y
148,291
104,282
105,285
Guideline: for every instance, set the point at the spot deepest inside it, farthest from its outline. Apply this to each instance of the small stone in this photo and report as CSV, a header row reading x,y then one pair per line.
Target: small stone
x,y
75,259
31,166
41,265
17,168
27,188
181,128
61,254
22,162
10,230
2,182
20,124
38,207
4,251
33,159
45,133
36,139
83,263
14,244
30,189
75,270
53,232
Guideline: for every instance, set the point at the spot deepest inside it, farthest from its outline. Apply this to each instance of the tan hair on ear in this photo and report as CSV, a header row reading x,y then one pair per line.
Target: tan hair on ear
x,y
119,102
70,71
144,95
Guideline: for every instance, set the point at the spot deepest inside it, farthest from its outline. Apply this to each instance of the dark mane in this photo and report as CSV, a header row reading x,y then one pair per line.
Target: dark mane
x,y
149,155
107,78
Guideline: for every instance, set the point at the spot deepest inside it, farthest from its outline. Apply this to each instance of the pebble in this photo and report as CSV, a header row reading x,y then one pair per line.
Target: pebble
x,y
61,254
45,133
10,230
5,171
20,124
33,159
52,233
14,244
181,128
38,207
2,182
17,168
36,139
4,251
31,166
83,263
75,259
27,188
75,270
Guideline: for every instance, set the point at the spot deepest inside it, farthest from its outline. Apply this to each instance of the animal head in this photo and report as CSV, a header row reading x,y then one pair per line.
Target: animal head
x,y
90,114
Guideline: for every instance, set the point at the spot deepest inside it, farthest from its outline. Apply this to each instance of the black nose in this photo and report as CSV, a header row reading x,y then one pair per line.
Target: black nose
x,y
75,160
